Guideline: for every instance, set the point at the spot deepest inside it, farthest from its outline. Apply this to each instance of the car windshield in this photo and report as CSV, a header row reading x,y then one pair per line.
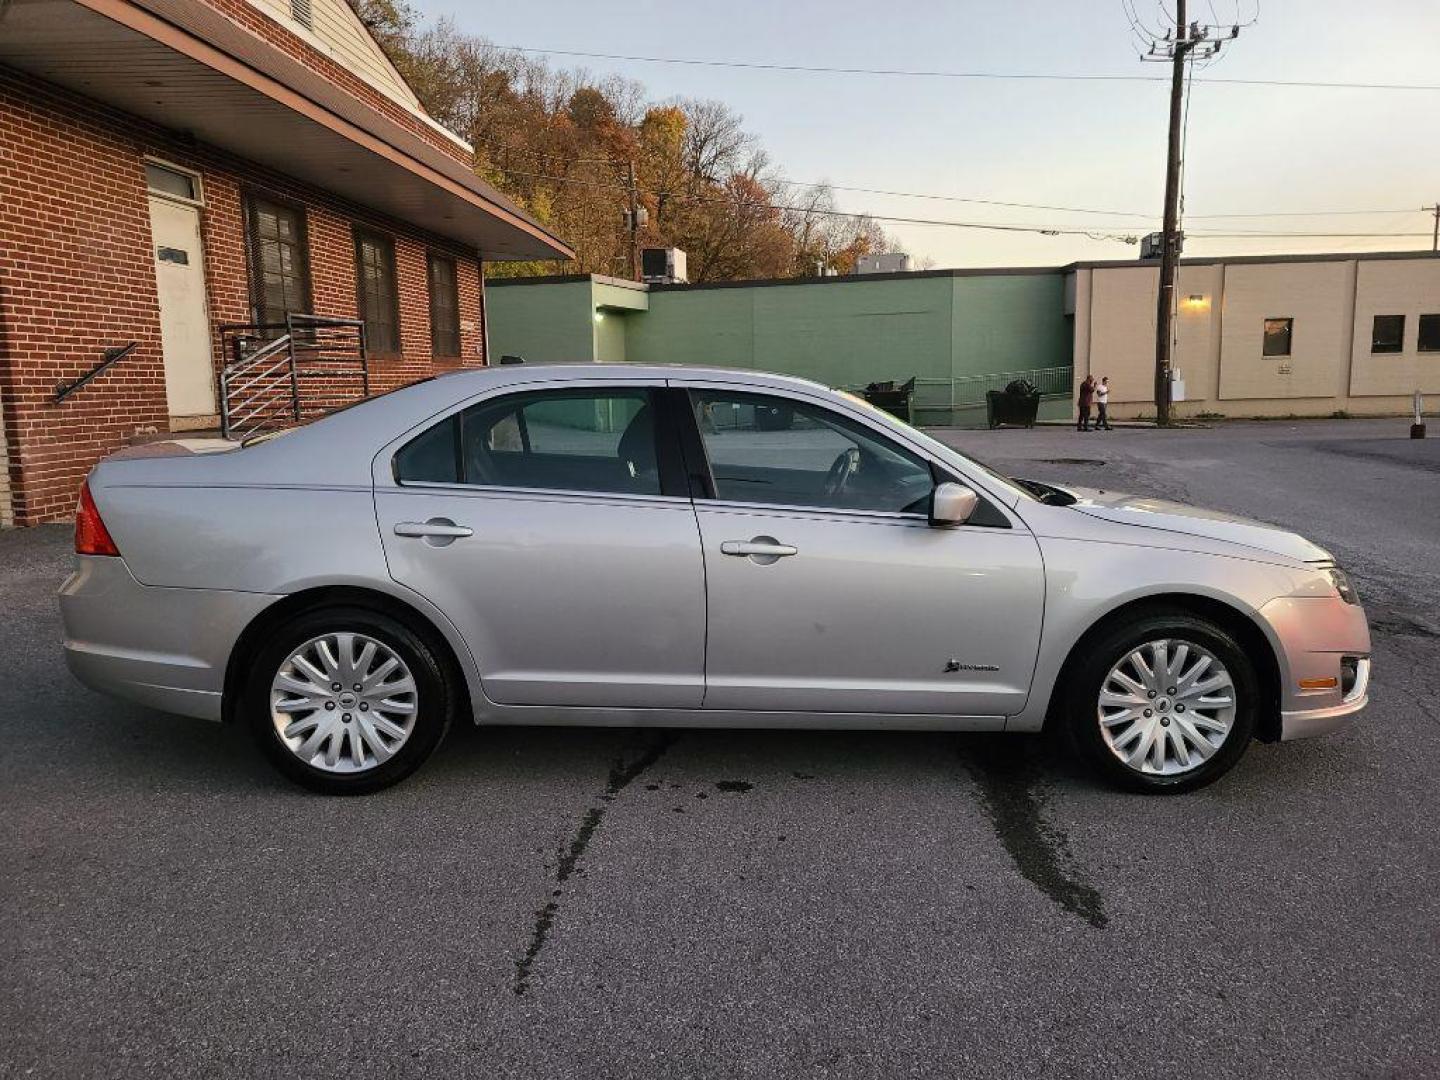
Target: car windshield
x,y
1006,484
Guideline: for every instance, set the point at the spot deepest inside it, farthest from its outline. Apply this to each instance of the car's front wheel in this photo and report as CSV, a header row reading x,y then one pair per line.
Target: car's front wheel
x,y
1165,703
347,701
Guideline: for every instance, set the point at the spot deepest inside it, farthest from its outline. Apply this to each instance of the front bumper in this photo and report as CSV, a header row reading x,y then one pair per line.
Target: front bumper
x,y
161,647
1316,636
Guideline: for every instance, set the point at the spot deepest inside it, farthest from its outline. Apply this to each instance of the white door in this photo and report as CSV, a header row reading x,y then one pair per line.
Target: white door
x,y
184,317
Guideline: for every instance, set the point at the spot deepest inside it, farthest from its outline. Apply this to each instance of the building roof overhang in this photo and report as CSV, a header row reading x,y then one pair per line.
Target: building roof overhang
x,y
187,67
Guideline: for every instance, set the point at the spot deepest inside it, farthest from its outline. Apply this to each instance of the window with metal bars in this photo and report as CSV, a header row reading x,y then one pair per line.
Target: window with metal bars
x,y
444,307
376,292
279,259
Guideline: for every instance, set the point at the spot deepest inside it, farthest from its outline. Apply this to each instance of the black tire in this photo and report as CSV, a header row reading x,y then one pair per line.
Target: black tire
x,y
1086,677
436,698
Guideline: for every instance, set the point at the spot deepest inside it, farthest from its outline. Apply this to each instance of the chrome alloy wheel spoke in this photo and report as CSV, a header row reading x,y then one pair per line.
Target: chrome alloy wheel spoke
x,y
344,702
1166,707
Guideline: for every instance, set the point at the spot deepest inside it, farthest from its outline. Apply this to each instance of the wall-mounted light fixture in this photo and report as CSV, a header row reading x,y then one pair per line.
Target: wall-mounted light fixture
x,y
599,316
1196,302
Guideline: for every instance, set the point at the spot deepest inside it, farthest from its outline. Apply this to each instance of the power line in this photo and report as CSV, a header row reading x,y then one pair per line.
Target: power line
x,y
976,200
937,74
1094,234
681,196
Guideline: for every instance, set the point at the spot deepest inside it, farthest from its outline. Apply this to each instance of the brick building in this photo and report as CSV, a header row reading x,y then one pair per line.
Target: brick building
x,y
169,168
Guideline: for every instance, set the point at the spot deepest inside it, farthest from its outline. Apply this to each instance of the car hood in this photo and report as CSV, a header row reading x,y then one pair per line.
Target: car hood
x,y
1190,520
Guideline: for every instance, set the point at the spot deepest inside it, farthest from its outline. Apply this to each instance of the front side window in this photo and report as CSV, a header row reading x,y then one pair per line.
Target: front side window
x,y
279,260
1277,337
444,307
790,453
1388,334
563,440
376,293
1429,338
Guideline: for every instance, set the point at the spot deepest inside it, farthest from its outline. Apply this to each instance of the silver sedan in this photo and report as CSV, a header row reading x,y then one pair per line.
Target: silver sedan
x,y
625,545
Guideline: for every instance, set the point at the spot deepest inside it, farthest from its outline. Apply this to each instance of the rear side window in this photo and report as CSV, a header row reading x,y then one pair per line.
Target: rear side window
x,y
577,440
431,458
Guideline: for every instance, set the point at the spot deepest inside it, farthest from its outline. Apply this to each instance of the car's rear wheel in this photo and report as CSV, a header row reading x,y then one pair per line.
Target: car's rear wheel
x,y
347,701
1165,703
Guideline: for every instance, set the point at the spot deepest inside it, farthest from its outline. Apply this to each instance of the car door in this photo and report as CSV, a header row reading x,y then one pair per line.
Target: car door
x,y
827,588
549,525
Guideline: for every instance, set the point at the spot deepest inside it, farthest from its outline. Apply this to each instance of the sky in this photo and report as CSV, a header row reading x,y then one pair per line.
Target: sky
x,y
1087,145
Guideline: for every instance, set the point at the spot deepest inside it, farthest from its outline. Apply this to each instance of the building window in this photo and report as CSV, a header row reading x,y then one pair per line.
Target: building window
x,y
303,13
376,292
172,182
279,260
444,307
1277,337
1388,334
1429,340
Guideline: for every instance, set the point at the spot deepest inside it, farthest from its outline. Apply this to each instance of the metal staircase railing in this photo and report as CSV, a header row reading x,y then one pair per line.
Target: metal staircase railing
x,y
278,375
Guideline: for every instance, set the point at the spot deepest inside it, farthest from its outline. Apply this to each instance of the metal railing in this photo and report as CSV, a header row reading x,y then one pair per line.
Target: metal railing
x,y
278,375
109,357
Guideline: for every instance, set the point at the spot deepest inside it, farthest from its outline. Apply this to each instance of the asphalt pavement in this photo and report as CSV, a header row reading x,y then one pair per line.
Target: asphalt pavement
x,y
576,903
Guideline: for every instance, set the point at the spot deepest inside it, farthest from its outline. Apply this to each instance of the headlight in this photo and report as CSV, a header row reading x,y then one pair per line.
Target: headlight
x,y
1341,581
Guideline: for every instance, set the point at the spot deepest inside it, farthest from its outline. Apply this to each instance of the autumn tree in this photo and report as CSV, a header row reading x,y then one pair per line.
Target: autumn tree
x,y
562,145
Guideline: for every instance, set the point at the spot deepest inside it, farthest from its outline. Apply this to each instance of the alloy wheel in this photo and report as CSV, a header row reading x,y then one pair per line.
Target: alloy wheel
x,y
1166,707
344,703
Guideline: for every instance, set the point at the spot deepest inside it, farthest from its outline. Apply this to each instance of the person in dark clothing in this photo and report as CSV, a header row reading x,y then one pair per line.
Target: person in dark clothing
x,y
1087,395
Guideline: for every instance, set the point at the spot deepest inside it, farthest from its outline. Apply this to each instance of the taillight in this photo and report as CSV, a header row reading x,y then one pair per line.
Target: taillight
x,y
91,536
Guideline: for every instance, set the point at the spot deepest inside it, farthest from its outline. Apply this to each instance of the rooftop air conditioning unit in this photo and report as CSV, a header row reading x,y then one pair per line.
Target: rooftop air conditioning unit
x,y
663,266
896,262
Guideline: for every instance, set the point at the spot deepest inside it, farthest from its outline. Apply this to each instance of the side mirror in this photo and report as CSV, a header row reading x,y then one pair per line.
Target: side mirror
x,y
952,504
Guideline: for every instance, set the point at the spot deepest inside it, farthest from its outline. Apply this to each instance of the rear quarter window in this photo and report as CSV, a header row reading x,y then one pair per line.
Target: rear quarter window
x,y
431,457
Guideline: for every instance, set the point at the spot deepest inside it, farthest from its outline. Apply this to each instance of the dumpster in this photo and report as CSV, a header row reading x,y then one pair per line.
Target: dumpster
x,y
893,399
1017,404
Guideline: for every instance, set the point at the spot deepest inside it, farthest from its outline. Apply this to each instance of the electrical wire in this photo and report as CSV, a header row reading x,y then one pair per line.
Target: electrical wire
x,y
902,220
938,74
1009,204
681,196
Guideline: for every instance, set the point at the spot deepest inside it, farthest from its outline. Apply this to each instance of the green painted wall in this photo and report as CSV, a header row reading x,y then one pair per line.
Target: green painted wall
x,y
1012,322
610,336
551,323
842,333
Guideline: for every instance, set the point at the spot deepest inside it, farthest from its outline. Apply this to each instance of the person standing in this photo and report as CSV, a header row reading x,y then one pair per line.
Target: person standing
x,y
1087,394
1102,405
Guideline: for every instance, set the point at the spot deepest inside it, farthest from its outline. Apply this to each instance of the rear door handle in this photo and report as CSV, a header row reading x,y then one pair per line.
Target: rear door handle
x,y
436,530
762,547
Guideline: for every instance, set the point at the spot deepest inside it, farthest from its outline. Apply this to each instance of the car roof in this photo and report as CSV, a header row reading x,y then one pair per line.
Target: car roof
x,y
503,374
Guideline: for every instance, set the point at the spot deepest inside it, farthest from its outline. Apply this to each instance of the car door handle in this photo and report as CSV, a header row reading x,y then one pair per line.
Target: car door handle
x,y
762,547
443,528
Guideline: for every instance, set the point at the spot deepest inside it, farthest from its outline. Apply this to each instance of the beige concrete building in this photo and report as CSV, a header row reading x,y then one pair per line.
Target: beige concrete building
x,y
1303,335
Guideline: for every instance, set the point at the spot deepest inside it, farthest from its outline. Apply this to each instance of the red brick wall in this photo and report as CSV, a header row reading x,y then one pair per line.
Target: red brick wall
x,y
77,275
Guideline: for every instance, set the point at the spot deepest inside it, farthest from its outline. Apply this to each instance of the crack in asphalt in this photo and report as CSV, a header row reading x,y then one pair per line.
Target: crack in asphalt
x,y
1013,797
622,775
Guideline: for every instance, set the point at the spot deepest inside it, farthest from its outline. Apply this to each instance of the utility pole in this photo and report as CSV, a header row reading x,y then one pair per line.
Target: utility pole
x,y
1189,41
634,223
1169,252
